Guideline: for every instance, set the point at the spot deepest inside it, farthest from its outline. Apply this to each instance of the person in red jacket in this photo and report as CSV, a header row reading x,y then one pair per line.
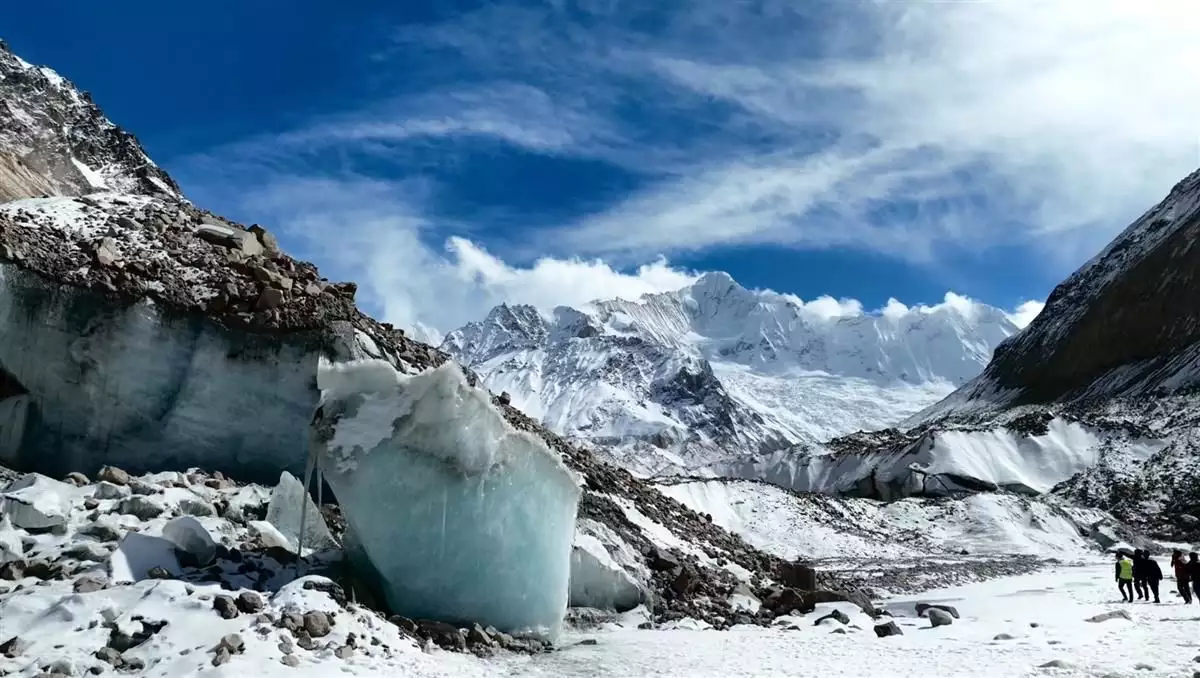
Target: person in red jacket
x,y
1182,580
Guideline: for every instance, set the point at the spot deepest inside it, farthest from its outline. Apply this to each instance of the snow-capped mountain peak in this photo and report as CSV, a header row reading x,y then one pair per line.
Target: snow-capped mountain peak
x,y
54,140
715,369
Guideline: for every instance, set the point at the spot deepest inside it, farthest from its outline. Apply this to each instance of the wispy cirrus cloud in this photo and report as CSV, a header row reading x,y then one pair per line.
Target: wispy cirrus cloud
x,y
917,130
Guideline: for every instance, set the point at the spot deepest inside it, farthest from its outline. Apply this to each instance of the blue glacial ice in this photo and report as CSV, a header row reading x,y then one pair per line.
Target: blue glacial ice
x,y
460,516
86,382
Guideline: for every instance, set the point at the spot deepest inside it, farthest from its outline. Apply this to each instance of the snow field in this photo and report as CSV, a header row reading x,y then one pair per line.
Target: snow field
x,y
826,527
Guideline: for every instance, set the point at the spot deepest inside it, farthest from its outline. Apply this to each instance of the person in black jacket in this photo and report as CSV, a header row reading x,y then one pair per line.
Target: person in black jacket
x,y
1182,577
1139,575
1153,574
1194,573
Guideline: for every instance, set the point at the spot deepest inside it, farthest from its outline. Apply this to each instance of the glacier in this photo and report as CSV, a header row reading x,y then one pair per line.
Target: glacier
x,y
937,463
460,516
144,387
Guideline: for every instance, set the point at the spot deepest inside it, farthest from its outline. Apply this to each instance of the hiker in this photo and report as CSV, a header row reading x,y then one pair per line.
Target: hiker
x,y
1139,575
1124,571
1153,575
1182,578
1193,568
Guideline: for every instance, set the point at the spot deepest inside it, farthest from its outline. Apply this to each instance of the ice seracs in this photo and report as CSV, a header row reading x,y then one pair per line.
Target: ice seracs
x,y
462,517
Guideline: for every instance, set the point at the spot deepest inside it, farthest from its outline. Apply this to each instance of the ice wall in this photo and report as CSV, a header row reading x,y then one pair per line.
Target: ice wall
x,y
946,463
462,517
136,387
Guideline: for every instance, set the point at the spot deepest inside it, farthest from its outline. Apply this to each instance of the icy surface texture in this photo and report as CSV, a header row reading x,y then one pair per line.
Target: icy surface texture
x,y
602,567
144,390
288,500
943,463
462,517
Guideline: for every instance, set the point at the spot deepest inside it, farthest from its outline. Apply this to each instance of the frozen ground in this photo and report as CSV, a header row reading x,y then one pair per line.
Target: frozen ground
x,y
1045,614
1008,627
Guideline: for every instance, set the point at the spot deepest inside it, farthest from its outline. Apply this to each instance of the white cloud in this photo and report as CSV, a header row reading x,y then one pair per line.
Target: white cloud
x,y
1026,312
376,233
1041,124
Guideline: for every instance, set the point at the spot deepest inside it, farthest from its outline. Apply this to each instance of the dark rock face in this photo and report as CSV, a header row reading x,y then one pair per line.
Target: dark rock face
x,y
1132,307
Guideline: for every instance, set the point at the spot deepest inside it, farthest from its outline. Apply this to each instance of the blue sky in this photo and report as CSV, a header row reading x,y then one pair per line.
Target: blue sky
x,y
452,155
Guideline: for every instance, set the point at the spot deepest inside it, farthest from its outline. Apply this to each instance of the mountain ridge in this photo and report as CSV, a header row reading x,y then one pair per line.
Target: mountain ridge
x,y
678,380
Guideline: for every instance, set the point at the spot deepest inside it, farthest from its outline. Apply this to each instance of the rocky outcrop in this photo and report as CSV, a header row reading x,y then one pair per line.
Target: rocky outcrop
x,y
54,140
1124,324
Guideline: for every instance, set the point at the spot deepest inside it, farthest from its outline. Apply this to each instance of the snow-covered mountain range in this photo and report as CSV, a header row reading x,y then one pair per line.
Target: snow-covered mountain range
x,y
1095,402
677,381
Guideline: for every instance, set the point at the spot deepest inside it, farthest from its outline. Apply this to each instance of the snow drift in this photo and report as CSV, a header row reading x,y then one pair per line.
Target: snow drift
x,y
461,516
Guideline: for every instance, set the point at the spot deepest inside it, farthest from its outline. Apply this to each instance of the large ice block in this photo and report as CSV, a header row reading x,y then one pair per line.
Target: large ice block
x,y
462,517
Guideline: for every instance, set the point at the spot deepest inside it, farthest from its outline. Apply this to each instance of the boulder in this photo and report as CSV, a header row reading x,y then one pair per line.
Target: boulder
x,y
36,502
196,546
939,617
923,609
1106,616
888,629
797,575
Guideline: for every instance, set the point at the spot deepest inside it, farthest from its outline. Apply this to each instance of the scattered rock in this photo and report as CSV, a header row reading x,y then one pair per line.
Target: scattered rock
x,y
141,507
1115,614
923,608
197,508
36,502
404,623
77,479
226,607
88,584
13,647
939,617
1055,664
109,656
232,642
797,575
317,623
101,531
888,629
1002,636
442,634
477,637
159,572
291,620
88,552
249,602
196,547
837,615
344,652
114,475
221,656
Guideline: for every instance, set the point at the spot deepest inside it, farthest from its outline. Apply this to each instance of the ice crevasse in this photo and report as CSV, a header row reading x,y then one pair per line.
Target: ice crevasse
x,y
460,516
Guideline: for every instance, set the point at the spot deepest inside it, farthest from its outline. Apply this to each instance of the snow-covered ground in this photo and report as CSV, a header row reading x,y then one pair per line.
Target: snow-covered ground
x,y
1030,625
825,527
1008,627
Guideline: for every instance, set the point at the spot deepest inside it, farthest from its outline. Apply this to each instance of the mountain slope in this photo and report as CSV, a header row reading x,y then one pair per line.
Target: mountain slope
x,y
1096,401
681,380
55,141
